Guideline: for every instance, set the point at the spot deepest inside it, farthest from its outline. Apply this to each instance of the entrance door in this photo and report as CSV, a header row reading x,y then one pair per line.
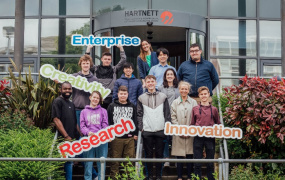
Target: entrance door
x,y
171,38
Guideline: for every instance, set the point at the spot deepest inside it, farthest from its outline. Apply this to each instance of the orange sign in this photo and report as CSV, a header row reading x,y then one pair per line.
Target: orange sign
x,y
166,17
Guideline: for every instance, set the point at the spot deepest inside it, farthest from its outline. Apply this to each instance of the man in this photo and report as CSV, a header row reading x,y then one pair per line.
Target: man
x,y
198,72
63,115
80,98
159,69
204,115
122,147
107,73
129,80
153,111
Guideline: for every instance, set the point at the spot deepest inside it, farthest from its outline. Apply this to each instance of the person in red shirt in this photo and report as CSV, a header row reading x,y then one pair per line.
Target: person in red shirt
x,y
204,115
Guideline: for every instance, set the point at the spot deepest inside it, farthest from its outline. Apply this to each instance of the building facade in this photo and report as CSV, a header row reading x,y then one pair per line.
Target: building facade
x,y
239,36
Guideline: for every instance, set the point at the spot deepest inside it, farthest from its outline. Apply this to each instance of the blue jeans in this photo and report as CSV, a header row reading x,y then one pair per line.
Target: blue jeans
x,y
94,173
101,151
68,170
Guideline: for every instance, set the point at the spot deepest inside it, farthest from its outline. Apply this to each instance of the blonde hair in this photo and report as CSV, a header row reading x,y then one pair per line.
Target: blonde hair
x,y
202,88
85,58
184,83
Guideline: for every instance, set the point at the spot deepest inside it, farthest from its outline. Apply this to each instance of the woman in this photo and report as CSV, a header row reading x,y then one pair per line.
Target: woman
x,y
146,59
170,89
92,119
181,112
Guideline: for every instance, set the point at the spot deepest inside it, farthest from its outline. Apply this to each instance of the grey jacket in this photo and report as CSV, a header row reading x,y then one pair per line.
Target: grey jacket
x,y
109,83
152,111
170,97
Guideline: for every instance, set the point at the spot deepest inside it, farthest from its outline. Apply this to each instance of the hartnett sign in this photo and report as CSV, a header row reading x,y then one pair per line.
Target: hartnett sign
x,y
78,82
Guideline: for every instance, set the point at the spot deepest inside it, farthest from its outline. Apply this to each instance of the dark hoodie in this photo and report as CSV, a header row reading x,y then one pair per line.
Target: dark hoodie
x,y
80,98
117,110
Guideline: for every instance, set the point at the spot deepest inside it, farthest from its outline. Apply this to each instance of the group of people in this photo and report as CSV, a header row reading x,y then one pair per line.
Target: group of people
x,y
162,95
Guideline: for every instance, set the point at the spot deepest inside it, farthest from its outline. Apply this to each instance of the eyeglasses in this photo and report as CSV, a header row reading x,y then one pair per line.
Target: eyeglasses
x,y
194,51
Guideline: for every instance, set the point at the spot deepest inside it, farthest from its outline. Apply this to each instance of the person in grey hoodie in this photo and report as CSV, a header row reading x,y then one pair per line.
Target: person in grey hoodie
x,y
107,73
152,113
92,119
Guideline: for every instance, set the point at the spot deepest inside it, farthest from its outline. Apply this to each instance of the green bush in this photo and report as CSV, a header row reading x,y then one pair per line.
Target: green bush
x,y
129,172
11,120
242,173
35,143
33,98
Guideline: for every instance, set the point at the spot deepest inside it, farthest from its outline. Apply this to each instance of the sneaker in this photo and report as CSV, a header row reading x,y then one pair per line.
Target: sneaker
x,y
166,164
96,178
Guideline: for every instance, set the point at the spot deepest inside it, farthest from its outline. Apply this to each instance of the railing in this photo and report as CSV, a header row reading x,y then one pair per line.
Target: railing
x,y
103,160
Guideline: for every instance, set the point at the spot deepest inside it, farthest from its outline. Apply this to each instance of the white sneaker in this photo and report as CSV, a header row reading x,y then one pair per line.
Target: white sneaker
x,y
166,164
96,178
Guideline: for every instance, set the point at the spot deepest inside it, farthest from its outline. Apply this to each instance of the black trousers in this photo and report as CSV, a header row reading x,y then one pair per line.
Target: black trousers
x,y
189,166
153,140
198,146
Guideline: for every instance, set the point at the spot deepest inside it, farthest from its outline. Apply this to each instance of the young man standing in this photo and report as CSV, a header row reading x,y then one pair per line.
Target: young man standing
x,y
129,80
80,98
107,73
122,147
198,72
63,115
159,69
204,115
153,111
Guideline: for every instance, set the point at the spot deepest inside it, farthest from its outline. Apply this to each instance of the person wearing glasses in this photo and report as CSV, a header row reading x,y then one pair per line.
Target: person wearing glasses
x,y
198,72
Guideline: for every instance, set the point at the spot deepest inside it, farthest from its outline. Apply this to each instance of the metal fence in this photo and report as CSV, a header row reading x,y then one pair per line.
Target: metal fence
x,y
103,160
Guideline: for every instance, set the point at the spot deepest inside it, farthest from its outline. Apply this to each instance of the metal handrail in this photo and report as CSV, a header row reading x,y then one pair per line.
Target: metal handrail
x,y
103,160
226,156
138,152
52,146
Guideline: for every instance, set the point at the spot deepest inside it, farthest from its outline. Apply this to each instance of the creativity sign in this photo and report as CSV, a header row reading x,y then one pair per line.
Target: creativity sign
x,y
78,82
70,149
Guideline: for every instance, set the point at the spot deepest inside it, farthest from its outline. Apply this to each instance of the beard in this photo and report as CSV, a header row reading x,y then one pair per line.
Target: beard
x,y
66,96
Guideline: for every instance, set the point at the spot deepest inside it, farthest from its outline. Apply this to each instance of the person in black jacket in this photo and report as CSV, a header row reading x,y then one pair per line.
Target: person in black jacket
x,y
122,147
198,72
106,73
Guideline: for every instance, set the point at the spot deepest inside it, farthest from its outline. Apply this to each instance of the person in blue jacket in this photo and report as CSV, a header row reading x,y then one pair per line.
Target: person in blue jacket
x,y
198,72
146,59
131,82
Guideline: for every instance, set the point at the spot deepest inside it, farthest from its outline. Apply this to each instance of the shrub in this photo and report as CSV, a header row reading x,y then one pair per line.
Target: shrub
x,y
36,143
129,172
240,173
33,98
257,106
11,120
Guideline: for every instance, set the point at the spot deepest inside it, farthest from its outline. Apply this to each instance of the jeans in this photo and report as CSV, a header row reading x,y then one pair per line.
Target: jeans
x,y
198,146
94,173
150,140
68,170
100,151
189,166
